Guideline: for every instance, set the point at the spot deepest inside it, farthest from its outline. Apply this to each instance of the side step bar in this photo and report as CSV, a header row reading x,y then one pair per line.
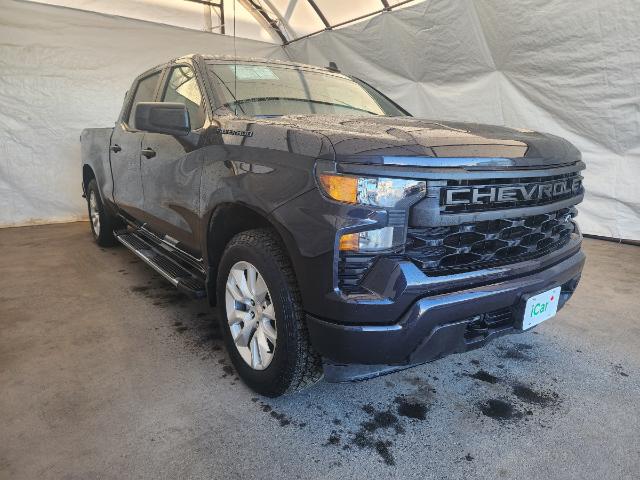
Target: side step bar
x,y
181,276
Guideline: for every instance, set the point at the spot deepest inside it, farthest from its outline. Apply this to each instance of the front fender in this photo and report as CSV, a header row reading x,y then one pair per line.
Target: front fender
x,y
258,178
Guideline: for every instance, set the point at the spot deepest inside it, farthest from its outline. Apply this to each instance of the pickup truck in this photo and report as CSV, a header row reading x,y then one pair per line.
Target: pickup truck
x,y
336,234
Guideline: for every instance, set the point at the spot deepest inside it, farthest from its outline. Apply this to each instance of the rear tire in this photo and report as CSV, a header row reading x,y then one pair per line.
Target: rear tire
x,y
103,224
287,362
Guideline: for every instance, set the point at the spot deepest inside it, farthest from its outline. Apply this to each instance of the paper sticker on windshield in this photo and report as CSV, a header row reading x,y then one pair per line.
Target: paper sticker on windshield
x,y
253,72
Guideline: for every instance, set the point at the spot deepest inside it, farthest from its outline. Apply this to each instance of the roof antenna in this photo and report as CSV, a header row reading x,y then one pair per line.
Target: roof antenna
x,y
235,63
333,67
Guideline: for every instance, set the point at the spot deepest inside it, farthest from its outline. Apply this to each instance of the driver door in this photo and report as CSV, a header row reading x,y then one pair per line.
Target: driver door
x,y
171,166
125,148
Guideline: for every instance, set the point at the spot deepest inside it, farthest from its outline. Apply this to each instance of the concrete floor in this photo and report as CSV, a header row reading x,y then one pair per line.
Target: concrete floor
x,y
107,372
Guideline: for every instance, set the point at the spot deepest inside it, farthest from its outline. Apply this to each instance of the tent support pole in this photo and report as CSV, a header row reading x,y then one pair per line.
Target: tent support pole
x,y
388,8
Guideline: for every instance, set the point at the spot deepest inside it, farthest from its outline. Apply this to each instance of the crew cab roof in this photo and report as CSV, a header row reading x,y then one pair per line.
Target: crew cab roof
x,y
271,61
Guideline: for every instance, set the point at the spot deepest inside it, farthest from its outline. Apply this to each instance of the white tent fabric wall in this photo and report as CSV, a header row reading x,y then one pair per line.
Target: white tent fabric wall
x,y
568,68
63,70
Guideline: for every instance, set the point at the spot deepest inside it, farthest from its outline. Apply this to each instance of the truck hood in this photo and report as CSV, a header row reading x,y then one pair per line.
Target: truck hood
x,y
408,140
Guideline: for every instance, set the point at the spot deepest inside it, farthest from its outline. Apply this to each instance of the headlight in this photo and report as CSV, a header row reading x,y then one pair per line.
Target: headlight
x,y
373,191
377,240
392,193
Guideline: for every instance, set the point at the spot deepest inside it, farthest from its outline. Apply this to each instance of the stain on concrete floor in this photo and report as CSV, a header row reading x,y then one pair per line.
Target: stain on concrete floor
x,y
107,372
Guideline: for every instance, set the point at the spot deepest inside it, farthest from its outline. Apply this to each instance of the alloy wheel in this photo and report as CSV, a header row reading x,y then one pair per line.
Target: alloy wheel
x,y
251,315
94,213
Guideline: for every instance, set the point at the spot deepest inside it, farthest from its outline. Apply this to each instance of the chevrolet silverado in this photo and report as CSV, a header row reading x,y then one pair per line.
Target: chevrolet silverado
x,y
336,234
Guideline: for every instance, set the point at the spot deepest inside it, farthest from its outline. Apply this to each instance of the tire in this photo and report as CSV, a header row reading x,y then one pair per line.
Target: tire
x,y
292,364
102,223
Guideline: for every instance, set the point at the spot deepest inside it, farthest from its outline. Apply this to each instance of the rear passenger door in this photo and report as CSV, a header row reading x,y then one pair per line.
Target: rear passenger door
x,y
126,145
171,176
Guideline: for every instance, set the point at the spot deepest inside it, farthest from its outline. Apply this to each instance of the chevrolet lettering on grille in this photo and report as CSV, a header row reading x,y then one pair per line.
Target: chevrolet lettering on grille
x,y
487,194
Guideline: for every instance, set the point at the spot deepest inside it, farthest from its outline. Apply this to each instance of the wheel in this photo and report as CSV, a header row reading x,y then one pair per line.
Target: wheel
x,y
102,223
261,316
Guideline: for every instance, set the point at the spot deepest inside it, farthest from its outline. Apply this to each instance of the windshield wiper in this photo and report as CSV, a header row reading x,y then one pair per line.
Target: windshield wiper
x,y
293,99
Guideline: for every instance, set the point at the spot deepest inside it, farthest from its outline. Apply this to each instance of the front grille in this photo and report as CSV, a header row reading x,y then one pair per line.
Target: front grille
x,y
470,246
485,185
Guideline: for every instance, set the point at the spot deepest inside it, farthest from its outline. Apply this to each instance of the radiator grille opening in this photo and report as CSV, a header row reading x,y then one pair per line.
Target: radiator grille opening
x,y
470,246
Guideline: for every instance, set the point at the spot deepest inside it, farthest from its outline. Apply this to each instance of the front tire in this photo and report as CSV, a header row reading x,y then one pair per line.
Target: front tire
x,y
102,223
261,316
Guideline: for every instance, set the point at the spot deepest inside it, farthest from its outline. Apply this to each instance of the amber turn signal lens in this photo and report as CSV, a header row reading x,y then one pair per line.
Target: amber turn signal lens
x,y
350,242
340,188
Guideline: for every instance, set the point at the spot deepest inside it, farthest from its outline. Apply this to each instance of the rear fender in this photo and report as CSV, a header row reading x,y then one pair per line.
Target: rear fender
x,y
94,145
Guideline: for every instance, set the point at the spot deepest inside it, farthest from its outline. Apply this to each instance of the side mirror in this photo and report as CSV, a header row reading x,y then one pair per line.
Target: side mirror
x,y
162,117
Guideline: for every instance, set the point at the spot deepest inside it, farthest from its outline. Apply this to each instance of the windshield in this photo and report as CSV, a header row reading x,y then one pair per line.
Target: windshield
x,y
269,90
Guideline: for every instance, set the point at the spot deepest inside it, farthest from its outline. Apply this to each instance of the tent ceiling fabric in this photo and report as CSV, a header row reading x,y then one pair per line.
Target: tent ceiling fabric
x,y
567,71
275,21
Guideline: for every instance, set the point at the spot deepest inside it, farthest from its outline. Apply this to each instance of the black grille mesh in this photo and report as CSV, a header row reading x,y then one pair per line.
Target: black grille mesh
x,y
471,246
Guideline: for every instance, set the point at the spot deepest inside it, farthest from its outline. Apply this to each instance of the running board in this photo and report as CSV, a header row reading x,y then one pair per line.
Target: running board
x,y
180,276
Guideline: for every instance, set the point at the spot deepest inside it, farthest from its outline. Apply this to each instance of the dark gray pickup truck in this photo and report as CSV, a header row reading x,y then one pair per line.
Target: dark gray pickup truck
x,y
336,234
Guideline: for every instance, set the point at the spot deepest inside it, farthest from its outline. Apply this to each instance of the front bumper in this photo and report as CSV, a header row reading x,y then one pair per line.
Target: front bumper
x,y
455,319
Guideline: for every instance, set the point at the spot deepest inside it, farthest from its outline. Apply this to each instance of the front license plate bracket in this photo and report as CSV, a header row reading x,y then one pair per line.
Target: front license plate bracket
x,y
537,308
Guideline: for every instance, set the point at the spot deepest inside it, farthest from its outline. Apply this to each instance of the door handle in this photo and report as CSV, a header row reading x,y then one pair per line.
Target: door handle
x,y
116,148
148,152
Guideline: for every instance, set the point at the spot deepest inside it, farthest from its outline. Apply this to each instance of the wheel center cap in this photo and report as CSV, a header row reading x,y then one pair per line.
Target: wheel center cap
x,y
255,311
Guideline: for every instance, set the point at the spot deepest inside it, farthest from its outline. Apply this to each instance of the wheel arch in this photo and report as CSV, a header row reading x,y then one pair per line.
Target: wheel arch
x,y
87,175
226,221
